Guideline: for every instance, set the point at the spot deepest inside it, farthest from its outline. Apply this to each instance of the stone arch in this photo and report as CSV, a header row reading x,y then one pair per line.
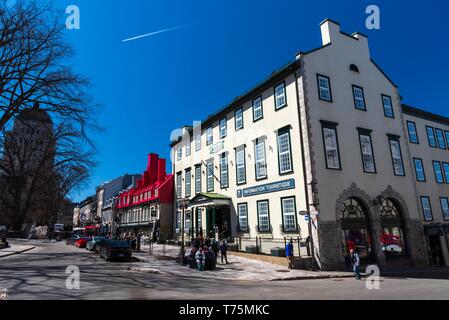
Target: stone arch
x,y
390,193
372,219
399,202
354,192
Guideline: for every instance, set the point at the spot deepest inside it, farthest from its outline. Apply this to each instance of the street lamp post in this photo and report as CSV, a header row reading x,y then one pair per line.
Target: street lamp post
x,y
182,203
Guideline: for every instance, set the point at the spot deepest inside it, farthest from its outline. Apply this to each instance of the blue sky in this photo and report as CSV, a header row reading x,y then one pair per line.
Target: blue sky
x,y
155,84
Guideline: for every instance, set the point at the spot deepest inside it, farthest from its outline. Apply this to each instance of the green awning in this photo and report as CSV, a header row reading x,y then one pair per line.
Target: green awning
x,y
209,199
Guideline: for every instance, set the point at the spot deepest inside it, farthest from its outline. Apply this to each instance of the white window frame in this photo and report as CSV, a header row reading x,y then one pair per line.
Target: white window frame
x,y
210,176
438,169
198,179
285,158
432,136
263,215
412,133
224,171
426,207
257,109
294,226
238,116
223,125
367,153
280,97
332,148
324,88
441,143
240,154
243,216
179,185
188,182
387,105
417,170
395,159
444,208
209,136
359,98
260,159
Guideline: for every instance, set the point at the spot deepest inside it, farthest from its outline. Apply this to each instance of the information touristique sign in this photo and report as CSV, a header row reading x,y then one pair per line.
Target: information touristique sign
x,y
266,188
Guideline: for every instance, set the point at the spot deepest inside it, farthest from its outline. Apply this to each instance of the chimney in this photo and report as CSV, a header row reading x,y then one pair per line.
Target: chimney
x,y
152,168
161,170
330,30
146,178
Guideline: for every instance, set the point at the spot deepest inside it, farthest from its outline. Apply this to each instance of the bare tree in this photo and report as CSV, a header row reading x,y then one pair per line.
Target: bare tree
x,y
36,176
34,65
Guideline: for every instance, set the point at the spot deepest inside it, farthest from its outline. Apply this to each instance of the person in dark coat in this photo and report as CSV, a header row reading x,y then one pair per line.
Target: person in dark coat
x,y
289,253
213,259
355,261
196,243
223,251
215,247
192,260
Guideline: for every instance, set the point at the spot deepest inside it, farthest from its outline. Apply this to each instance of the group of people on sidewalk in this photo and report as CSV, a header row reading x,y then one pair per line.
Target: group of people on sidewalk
x,y
204,253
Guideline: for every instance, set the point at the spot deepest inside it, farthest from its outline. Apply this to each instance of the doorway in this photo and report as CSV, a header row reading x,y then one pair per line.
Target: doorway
x,y
436,253
220,218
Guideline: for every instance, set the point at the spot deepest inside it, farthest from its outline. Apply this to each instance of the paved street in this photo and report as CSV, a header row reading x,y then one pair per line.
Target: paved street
x,y
40,274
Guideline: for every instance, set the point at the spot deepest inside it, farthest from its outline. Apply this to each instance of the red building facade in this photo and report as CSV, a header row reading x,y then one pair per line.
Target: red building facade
x,y
148,206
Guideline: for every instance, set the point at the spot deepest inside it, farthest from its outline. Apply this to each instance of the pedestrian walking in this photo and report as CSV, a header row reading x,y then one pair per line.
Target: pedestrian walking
x,y
223,251
289,253
355,261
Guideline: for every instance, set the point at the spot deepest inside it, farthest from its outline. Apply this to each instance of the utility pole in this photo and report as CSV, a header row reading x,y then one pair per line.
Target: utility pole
x,y
312,244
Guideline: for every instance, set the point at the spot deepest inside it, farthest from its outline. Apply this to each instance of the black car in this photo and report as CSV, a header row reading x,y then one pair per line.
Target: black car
x,y
116,250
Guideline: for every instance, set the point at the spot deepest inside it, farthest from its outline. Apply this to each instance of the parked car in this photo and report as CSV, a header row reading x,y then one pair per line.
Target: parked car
x,y
72,239
95,243
82,242
116,249
3,231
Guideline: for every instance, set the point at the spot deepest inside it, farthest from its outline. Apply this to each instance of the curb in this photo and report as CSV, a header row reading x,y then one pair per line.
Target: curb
x,y
318,277
17,252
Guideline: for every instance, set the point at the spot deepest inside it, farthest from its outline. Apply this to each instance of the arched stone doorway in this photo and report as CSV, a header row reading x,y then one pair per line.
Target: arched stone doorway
x,y
393,238
356,230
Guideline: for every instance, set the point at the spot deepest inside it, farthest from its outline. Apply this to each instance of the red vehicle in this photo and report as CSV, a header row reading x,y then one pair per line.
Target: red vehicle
x,y
82,242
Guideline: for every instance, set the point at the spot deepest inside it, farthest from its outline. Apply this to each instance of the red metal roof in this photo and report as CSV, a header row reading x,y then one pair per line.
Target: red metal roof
x,y
155,178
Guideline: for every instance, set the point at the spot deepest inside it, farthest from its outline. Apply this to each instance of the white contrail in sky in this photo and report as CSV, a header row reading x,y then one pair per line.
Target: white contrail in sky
x,y
155,32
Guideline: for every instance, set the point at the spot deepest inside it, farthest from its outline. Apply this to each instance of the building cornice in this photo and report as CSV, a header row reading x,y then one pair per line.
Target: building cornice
x,y
426,115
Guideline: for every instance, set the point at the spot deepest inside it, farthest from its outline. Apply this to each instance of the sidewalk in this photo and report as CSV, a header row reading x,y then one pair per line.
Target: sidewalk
x,y
239,269
15,249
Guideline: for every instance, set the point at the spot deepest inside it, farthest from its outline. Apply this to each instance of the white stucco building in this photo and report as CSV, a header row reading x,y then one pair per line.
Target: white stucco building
x,y
326,134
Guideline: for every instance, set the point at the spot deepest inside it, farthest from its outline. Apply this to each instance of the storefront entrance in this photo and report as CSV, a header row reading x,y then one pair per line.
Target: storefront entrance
x,y
435,252
218,222
356,231
211,216
393,240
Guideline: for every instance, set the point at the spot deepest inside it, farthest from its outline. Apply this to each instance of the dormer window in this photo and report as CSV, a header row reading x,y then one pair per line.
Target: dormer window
x,y
354,68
